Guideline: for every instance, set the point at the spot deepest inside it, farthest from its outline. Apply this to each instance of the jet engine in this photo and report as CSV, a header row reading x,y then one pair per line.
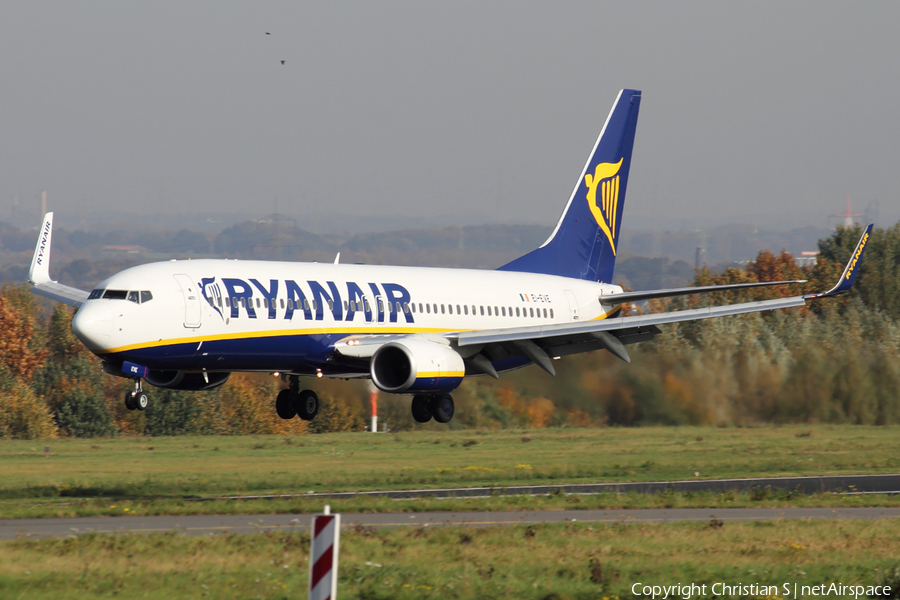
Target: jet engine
x,y
413,366
182,380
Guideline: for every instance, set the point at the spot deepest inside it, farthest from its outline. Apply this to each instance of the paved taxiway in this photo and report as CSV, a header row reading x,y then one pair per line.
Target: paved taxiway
x,y
207,524
841,484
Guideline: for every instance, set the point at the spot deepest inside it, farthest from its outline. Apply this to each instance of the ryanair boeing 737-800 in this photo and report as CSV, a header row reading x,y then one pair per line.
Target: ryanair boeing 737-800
x,y
189,324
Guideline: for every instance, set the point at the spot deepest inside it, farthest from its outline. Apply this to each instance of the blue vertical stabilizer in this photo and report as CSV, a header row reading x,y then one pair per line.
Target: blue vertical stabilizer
x,y
586,239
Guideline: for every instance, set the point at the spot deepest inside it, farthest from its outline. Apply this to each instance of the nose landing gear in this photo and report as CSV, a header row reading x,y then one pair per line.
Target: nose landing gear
x,y
440,407
294,402
136,399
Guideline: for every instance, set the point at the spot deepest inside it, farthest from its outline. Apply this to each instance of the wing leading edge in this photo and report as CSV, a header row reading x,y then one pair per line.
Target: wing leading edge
x,y
614,333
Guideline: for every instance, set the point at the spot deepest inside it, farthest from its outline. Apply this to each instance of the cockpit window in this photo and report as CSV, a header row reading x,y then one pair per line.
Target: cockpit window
x,y
133,296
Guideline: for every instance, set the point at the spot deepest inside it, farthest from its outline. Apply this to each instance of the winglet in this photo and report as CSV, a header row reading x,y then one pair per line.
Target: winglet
x,y
40,263
850,271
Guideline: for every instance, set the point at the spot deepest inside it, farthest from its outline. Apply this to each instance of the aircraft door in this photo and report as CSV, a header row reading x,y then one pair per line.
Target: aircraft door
x,y
573,304
192,307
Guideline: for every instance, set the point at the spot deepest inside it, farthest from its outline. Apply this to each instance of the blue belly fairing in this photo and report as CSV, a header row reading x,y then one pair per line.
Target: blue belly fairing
x,y
277,353
300,354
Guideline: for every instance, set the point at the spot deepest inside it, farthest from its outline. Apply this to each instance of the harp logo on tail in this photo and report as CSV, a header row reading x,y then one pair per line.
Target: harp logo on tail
x,y
605,177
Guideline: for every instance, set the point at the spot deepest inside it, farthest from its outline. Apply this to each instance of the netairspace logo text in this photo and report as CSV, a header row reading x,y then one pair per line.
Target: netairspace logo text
x,y
785,590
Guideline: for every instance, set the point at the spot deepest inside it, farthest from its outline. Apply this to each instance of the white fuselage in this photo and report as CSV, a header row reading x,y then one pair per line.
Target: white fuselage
x,y
268,316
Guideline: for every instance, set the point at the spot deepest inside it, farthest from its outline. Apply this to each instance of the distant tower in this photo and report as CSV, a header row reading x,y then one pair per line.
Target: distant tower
x,y
847,216
700,252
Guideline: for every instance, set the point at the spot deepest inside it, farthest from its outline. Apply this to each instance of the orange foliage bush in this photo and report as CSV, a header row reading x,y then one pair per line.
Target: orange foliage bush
x,y
16,353
248,407
534,412
23,416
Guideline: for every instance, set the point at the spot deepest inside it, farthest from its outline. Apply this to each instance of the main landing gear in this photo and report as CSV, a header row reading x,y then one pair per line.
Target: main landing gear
x,y
293,401
439,406
136,399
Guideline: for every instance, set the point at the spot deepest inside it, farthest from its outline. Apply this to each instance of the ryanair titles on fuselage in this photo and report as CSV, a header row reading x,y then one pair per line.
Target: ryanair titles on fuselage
x,y
229,296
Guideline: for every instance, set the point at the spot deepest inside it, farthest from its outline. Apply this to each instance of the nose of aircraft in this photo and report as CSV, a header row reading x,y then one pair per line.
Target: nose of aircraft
x,y
93,325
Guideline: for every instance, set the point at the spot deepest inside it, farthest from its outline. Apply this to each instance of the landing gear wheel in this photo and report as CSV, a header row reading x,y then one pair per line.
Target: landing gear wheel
x,y
141,401
284,405
421,409
307,405
136,399
443,408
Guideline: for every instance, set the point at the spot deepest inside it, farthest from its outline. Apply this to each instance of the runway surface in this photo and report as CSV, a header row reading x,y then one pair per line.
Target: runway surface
x,y
845,484
210,524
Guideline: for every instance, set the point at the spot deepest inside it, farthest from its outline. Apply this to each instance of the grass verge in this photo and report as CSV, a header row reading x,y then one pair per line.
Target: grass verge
x,y
153,475
554,561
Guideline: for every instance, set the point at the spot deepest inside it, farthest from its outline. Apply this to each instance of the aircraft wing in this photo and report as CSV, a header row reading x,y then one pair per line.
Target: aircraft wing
x,y
541,342
61,293
39,273
651,294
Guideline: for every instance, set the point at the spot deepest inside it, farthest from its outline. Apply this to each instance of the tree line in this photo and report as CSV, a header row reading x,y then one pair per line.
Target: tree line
x,y
834,361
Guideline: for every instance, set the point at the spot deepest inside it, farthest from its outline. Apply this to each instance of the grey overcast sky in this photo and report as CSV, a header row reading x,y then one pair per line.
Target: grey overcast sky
x,y
465,112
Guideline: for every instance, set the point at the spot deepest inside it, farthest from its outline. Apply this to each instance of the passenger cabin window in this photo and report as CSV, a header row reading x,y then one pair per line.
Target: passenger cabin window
x,y
551,313
503,308
482,311
442,309
428,306
420,307
96,294
466,309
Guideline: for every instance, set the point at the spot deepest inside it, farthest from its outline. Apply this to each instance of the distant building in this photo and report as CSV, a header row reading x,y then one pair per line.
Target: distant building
x,y
807,258
276,218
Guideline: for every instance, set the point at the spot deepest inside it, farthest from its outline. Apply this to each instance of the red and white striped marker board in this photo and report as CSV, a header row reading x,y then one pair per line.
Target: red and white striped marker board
x,y
323,556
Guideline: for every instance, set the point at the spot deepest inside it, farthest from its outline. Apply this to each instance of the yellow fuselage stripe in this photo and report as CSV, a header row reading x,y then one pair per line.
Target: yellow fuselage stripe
x,y
383,330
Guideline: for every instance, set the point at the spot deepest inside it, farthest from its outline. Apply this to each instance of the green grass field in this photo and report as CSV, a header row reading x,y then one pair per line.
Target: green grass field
x,y
153,475
560,561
